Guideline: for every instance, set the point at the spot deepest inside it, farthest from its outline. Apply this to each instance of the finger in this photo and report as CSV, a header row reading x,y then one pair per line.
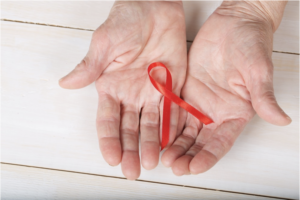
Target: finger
x,y
177,118
262,96
181,164
108,123
93,64
174,118
182,143
130,142
219,143
181,120
149,128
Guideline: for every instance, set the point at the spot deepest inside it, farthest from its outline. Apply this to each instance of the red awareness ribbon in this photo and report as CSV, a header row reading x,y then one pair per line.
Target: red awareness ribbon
x,y
169,97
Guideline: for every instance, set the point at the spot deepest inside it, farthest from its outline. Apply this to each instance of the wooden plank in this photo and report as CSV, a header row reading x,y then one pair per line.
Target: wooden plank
x,y
20,182
78,14
89,15
46,126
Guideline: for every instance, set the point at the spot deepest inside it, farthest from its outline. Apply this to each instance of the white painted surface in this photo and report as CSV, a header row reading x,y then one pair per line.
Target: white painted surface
x,y
90,14
44,125
33,183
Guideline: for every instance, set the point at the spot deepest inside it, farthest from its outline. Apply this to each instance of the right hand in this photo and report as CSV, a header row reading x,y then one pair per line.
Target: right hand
x,y
134,35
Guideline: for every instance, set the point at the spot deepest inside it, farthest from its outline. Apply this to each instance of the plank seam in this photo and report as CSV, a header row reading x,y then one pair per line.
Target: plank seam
x,y
83,29
146,181
286,52
43,24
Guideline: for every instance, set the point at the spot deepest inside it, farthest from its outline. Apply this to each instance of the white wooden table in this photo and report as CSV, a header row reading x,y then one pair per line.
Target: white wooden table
x,y
49,142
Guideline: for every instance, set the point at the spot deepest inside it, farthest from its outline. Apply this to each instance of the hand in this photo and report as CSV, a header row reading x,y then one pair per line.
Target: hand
x,y
134,35
229,78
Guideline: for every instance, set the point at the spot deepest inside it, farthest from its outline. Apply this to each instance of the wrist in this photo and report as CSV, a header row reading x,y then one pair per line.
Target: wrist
x,y
270,12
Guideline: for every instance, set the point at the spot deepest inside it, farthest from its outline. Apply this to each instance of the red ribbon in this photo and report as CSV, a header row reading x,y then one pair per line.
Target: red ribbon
x,y
169,97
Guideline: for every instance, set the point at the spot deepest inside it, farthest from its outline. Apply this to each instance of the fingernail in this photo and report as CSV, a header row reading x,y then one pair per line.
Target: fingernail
x,y
288,118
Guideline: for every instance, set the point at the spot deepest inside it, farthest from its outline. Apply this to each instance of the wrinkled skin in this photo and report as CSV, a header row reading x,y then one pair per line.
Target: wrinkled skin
x,y
229,78
134,35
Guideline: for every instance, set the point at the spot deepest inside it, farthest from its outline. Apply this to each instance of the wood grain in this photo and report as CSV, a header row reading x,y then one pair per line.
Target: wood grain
x,y
33,183
89,15
46,126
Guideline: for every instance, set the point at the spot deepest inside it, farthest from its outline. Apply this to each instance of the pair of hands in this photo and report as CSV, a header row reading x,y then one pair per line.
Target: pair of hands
x,y
227,76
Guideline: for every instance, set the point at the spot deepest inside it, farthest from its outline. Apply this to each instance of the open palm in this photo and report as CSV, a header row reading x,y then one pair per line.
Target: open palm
x,y
229,78
134,35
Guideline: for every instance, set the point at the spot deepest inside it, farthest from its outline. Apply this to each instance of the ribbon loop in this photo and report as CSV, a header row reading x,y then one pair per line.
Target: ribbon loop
x,y
169,97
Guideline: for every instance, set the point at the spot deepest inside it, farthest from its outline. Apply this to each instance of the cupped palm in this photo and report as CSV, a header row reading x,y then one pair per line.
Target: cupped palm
x,y
134,35
229,78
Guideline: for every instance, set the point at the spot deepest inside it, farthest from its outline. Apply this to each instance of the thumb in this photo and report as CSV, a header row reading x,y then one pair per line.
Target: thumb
x,y
262,96
91,67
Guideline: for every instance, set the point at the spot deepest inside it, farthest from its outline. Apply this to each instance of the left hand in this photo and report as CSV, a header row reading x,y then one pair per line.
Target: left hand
x,y
229,78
